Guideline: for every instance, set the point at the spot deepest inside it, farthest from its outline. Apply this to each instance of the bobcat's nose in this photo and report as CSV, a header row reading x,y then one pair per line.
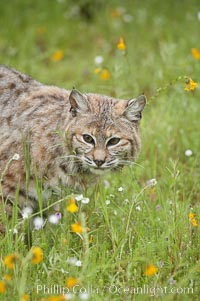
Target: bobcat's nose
x,y
99,162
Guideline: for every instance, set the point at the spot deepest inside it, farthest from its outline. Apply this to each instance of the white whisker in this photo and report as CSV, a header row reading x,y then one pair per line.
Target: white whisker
x,y
127,162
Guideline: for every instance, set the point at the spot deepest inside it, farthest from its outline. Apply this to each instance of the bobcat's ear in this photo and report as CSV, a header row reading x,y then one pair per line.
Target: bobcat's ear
x,y
79,102
133,111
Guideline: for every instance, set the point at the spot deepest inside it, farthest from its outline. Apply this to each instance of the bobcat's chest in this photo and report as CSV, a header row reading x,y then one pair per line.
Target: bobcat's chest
x,y
69,175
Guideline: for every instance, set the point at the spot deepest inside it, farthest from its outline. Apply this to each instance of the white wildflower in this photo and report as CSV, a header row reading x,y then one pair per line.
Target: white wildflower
x,y
15,231
85,200
172,280
26,211
120,189
79,197
38,223
69,296
188,152
198,15
107,202
98,59
151,182
84,296
78,263
72,260
53,219
15,157
138,208
126,201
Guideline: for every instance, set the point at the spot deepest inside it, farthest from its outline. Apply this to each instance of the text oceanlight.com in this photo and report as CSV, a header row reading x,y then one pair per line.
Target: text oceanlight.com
x,y
113,290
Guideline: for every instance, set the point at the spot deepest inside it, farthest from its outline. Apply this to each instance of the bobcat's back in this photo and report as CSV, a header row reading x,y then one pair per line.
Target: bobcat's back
x,y
30,116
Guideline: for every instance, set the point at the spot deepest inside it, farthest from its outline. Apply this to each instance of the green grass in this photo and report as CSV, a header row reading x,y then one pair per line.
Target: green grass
x,y
141,225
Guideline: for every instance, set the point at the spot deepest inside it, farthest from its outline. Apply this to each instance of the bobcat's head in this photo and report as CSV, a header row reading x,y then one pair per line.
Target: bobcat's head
x,y
103,131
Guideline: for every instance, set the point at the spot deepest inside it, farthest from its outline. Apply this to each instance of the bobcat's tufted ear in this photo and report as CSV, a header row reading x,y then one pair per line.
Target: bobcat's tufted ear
x,y
79,102
133,111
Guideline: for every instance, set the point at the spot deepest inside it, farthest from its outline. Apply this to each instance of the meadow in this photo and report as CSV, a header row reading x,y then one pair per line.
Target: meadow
x,y
135,235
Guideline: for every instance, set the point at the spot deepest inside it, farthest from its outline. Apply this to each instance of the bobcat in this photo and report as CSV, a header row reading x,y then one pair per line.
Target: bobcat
x,y
72,138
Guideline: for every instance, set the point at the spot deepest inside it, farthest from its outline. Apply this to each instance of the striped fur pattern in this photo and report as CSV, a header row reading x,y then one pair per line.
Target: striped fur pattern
x,y
72,138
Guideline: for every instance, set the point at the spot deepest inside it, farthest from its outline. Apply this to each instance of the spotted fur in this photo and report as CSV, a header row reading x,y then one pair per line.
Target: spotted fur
x,y
71,137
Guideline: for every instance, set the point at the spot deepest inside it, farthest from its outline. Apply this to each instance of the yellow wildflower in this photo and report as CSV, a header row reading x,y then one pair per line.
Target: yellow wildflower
x,y
193,85
72,207
7,277
196,53
57,56
151,270
116,13
91,239
194,222
77,228
10,261
190,85
25,297
121,44
37,255
71,282
191,215
2,287
97,70
105,74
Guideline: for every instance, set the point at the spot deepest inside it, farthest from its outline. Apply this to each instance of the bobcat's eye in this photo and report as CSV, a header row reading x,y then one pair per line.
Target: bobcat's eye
x,y
113,141
88,139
